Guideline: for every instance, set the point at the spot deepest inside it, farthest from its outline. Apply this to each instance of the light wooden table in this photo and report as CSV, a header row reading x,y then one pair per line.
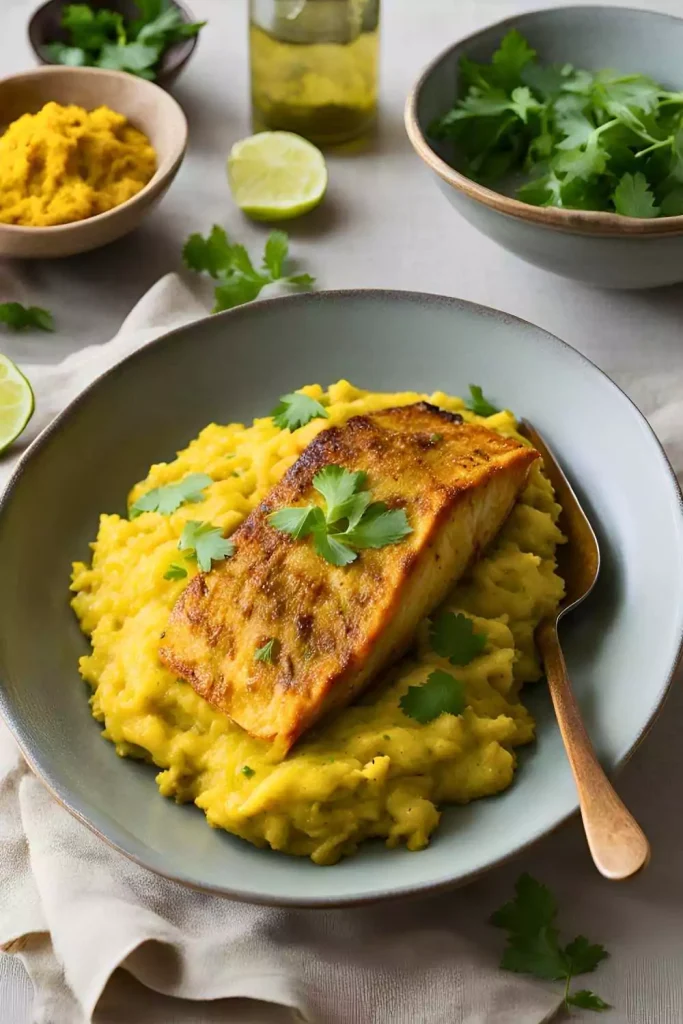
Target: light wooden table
x,y
384,224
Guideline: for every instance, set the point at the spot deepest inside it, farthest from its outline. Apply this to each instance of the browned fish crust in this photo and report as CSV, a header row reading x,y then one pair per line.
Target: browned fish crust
x,y
335,627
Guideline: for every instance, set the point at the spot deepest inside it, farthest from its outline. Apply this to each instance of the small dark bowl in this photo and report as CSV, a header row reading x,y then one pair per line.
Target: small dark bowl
x,y
45,27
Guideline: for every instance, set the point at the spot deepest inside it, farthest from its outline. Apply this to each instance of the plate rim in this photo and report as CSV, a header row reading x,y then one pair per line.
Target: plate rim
x,y
246,311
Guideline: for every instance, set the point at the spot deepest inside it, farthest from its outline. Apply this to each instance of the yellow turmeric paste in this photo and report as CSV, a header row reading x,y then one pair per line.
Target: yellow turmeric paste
x,y
64,164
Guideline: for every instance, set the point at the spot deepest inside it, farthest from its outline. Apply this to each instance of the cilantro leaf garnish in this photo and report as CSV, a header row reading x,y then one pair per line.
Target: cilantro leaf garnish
x,y
296,410
452,636
166,500
587,1000
103,38
479,405
229,264
206,542
175,572
248,772
441,694
633,197
600,140
19,318
348,521
268,652
533,945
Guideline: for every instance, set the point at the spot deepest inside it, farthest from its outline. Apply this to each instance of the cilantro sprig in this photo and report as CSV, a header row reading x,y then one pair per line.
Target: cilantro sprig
x,y
167,499
348,521
229,264
20,318
206,543
478,404
269,652
587,140
440,694
533,943
103,38
452,636
296,410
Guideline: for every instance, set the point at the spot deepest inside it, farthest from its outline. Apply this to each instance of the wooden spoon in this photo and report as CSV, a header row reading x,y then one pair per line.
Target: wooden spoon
x,y
617,843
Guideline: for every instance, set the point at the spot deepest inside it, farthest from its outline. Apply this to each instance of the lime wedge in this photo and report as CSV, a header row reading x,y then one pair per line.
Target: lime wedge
x,y
16,402
276,175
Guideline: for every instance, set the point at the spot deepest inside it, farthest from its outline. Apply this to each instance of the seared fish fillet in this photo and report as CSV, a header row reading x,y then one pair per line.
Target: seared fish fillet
x,y
336,627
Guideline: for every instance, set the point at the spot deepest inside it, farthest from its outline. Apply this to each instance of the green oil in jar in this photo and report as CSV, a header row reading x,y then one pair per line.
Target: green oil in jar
x,y
314,67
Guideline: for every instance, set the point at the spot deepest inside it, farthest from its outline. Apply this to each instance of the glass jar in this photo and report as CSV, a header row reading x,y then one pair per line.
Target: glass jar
x,y
314,67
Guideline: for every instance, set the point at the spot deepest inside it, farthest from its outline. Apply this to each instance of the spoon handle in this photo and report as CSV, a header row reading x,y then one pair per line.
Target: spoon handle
x,y
617,844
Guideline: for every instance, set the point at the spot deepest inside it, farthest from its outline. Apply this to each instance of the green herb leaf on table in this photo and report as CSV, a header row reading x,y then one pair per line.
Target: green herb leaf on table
x,y
167,499
229,264
452,636
21,318
533,944
296,410
587,1000
175,572
441,694
268,652
479,405
207,542
349,520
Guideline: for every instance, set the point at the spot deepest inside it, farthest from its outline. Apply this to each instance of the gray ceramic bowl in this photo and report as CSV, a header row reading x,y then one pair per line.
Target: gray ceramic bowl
x,y
603,249
233,367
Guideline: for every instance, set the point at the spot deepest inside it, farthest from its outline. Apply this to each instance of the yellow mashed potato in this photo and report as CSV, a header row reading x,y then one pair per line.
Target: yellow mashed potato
x,y
368,771
65,164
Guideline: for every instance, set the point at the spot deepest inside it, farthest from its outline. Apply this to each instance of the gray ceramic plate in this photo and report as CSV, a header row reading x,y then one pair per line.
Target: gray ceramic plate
x,y
233,367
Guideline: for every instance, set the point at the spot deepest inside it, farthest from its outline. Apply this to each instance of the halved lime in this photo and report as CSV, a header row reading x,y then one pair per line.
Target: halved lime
x,y
276,175
16,402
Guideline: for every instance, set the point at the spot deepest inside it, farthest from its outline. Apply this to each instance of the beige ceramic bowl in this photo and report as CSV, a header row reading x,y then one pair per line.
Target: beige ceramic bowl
x,y
147,107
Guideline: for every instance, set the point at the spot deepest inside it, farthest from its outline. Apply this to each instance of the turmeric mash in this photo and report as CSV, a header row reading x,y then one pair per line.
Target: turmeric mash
x,y
65,164
369,771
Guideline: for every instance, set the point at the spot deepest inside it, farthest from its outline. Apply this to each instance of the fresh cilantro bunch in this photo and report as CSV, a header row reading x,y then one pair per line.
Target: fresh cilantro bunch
x,y
533,943
587,140
104,39
20,318
349,521
229,264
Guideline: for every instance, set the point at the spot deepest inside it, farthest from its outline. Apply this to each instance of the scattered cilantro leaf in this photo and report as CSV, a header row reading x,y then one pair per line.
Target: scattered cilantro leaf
x,y
297,522
229,264
479,405
587,140
275,254
103,38
340,488
633,198
175,572
296,410
452,636
349,521
20,318
587,1000
248,772
333,549
207,542
167,499
533,945
435,438
268,652
441,694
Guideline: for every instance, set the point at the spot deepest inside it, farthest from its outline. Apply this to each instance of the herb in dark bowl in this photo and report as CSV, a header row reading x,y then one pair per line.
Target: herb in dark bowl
x,y
148,38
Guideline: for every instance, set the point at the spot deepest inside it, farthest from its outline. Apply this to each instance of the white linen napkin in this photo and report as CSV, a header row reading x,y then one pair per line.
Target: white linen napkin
x,y
107,941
